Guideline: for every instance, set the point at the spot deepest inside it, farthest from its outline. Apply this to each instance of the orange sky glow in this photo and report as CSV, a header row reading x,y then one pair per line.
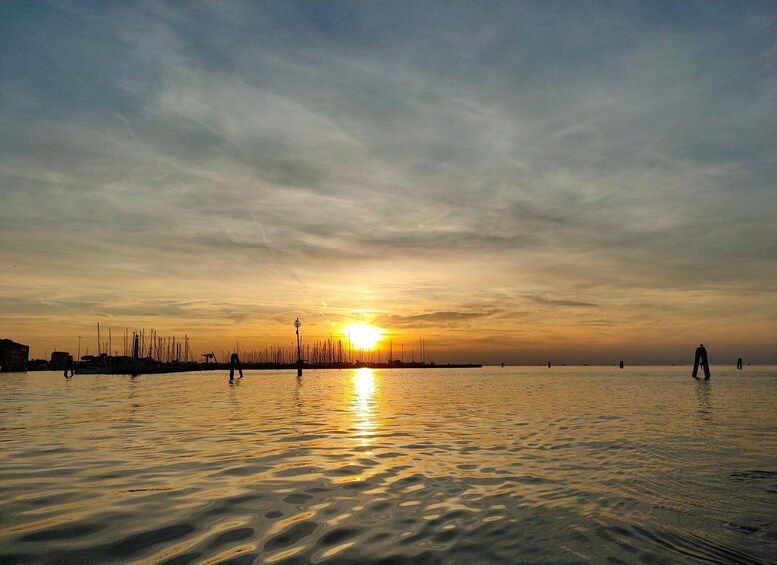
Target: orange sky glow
x,y
504,185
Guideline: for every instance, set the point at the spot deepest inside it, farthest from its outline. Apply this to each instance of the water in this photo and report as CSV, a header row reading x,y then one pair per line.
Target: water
x,y
524,464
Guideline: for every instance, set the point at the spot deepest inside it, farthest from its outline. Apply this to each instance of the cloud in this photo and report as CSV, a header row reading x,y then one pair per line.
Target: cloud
x,y
567,303
390,160
428,319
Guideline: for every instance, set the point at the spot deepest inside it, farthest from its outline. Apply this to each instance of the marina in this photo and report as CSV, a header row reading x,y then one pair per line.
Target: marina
x,y
149,353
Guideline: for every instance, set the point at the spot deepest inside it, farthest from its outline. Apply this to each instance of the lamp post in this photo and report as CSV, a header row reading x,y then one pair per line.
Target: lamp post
x,y
297,324
79,348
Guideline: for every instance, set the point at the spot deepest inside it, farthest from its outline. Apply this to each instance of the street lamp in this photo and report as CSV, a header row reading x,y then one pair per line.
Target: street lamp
x,y
297,324
79,348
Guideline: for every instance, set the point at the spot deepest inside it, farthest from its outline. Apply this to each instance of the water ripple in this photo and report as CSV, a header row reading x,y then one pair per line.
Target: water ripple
x,y
394,467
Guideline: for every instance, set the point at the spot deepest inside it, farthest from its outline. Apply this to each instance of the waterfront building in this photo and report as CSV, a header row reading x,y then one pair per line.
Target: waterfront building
x,y
58,360
13,356
37,365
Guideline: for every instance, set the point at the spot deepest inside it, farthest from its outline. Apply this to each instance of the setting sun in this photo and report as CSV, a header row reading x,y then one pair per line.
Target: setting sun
x,y
362,335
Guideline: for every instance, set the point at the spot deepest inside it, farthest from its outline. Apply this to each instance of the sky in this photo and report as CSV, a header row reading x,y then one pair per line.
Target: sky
x,y
582,182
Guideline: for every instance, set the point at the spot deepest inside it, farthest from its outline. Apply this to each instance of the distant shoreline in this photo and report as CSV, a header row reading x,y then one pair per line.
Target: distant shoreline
x,y
194,367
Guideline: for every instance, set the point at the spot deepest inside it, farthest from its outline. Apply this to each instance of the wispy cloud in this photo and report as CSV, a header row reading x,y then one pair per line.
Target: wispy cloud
x,y
396,159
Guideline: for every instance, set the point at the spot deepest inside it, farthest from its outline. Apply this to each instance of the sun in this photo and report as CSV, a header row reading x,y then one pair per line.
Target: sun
x,y
362,335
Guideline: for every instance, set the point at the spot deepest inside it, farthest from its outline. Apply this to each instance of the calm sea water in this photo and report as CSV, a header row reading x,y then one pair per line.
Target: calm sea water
x,y
521,464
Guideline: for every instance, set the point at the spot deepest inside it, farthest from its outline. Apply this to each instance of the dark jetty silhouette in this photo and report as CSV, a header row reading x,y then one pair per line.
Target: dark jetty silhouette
x,y
106,365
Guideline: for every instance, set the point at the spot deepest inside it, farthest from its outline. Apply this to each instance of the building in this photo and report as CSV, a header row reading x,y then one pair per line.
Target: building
x,y
59,360
13,356
37,365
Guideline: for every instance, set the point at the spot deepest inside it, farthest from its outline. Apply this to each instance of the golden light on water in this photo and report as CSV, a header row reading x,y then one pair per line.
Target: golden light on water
x,y
362,335
363,404
363,387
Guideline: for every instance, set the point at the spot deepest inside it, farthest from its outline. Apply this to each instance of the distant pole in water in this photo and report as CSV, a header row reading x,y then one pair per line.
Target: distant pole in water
x,y
234,363
701,358
297,324
739,363
621,365
548,364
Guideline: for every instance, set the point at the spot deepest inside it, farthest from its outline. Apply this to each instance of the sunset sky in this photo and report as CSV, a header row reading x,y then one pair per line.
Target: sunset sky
x,y
517,181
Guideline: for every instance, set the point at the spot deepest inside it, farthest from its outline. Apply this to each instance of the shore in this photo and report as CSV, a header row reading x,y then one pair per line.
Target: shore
x,y
161,368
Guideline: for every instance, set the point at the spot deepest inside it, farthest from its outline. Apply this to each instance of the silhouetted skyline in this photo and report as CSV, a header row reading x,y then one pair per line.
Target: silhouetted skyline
x,y
511,182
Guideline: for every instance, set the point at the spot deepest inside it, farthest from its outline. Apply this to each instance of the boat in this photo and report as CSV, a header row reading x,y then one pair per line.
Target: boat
x,y
91,365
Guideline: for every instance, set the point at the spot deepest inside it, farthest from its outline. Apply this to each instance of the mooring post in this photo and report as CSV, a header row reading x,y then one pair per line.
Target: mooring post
x,y
739,363
621,365
701,359
548,364
234,363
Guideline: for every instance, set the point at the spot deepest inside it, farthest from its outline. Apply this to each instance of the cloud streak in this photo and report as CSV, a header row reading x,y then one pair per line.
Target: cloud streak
x,y
394,162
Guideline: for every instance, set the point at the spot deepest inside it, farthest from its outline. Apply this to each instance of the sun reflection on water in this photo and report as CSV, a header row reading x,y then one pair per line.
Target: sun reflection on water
x,y
363,392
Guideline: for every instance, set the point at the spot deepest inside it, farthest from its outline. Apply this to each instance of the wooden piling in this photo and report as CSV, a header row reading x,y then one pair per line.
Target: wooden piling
x,y
701,359
234,363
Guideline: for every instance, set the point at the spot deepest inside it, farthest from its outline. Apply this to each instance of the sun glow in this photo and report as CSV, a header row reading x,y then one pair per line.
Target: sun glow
x,y
362,335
